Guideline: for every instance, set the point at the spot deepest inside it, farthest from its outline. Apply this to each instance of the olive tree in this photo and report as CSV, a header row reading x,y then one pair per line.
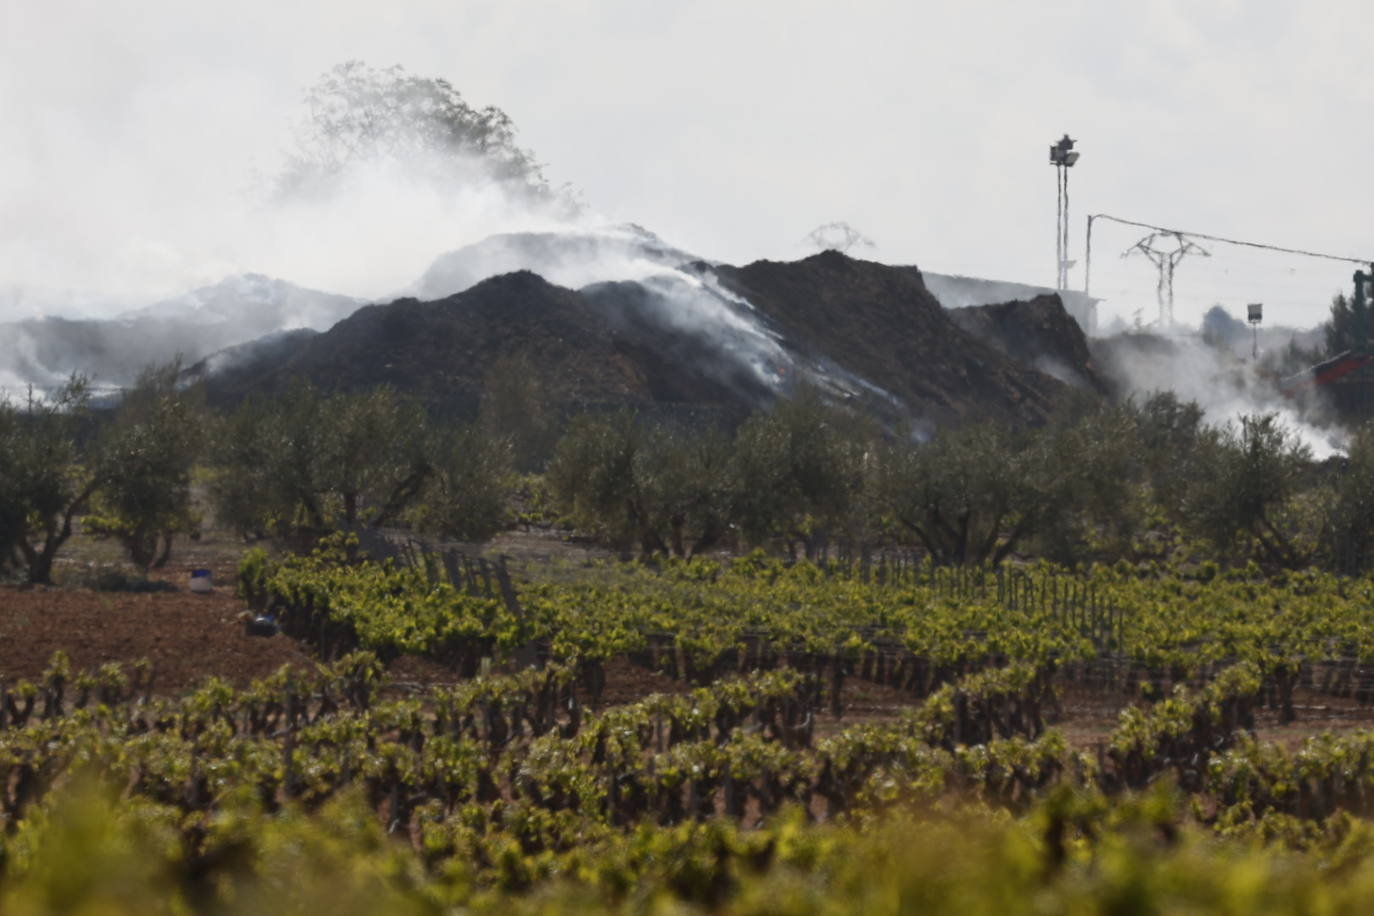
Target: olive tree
x,y
1090,483
968,496
264,478
465,495
684,482
144,460
301,463
517,405
1248,476
376,454
45,479
1169,433
649,487
799,471
1348,532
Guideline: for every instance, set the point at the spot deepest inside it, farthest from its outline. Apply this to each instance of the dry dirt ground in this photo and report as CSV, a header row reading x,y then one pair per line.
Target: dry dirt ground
x,y
187,637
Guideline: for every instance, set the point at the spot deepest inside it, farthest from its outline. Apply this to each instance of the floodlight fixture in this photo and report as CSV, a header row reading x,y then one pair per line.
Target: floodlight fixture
x,y
1062,157
1061,153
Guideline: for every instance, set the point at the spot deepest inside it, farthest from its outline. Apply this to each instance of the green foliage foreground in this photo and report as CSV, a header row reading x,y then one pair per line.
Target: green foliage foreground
x,y
90,852
744,790
323,789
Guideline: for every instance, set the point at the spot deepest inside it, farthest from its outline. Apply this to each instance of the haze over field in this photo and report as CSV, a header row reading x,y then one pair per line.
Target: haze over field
x,y
133,132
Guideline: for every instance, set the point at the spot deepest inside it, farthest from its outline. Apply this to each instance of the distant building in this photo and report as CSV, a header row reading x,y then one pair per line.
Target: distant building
x,y
1346,382
957,292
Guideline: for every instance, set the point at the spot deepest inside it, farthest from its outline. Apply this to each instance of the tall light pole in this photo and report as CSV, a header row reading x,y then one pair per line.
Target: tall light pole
x,y
1062,157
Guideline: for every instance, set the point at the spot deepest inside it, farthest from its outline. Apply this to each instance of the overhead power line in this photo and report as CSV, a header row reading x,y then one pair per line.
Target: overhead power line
x,y
1088,253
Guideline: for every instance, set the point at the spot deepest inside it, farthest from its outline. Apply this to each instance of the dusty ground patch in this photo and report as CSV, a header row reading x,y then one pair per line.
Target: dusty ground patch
x,y
187,637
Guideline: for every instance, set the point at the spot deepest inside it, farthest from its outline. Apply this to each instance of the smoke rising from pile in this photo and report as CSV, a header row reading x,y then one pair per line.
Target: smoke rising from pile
x,y
178,186
388,172
109,234
372,190
675,289
1223,384
379,227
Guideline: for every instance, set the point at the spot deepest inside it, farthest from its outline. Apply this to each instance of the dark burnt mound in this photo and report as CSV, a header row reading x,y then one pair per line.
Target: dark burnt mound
x,y
1038,333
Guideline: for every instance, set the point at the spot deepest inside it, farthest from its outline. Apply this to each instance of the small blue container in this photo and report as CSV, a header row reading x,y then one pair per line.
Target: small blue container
x,y
200,581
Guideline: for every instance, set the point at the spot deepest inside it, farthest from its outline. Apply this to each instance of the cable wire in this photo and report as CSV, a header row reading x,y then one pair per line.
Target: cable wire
x,y
1218,238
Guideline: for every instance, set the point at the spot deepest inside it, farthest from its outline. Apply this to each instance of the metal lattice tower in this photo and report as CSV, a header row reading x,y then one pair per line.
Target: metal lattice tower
x,y
838,236
1166,260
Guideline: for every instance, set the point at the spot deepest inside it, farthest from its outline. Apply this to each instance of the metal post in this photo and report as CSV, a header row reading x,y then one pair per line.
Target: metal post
x,y
1058,225
1062,157
1357,307
1364,313
1088,257
1169,323
1064,262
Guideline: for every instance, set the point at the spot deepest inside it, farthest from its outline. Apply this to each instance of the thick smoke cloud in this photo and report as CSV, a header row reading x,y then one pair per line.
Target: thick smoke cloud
x,y
365,211
1225,384
134,172
379,228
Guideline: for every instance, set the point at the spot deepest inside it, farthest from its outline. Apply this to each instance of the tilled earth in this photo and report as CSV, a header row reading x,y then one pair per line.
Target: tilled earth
x,y
188,637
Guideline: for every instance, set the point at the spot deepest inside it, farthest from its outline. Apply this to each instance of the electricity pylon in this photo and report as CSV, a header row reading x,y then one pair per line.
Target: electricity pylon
x,y
1165,261
837,236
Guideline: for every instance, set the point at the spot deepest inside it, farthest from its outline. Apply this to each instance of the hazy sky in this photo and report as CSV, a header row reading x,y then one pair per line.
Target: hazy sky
x,y
131,131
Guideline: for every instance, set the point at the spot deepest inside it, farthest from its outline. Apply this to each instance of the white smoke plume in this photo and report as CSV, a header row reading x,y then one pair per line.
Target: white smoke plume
x,y
1223,384
183,185
207,249
394,186
383,173
586,255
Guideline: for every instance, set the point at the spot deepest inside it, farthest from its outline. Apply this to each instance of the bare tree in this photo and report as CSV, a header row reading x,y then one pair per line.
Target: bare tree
x,y
359,114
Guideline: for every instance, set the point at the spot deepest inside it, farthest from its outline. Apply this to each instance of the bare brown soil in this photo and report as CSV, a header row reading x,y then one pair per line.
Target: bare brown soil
x,y
1315,714
187,637
627,682
1088,717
